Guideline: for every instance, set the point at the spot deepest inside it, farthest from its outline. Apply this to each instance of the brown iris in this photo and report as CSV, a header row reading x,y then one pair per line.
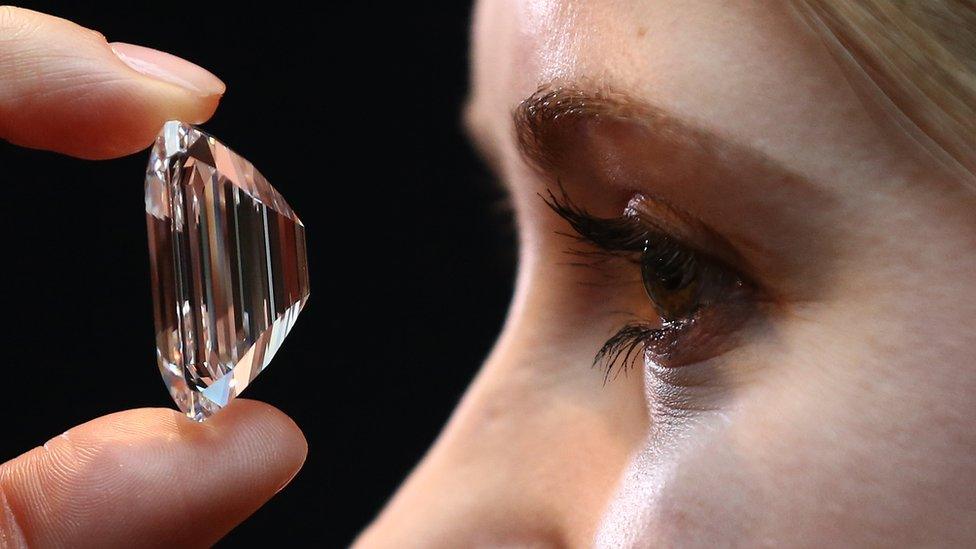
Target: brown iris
x,y
672,278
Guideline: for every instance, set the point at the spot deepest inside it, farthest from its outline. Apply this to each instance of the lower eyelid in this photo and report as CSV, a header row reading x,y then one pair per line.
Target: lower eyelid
x,y
688,385
679,393
711,332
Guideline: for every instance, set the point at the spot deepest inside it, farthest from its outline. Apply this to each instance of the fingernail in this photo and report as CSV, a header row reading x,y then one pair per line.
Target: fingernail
x,y
168,68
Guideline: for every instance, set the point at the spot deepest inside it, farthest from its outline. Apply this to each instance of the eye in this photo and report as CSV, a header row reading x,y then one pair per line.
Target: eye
x,y
680,281
699,299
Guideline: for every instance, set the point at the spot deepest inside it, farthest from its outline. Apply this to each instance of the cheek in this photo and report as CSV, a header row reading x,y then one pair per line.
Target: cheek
x,y
729,478
833,447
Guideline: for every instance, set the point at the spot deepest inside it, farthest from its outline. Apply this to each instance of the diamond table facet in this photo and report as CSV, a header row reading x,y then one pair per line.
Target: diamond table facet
x,y
229,270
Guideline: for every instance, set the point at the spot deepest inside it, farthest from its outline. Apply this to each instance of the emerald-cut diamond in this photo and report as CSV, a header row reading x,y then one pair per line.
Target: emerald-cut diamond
x,y
229,271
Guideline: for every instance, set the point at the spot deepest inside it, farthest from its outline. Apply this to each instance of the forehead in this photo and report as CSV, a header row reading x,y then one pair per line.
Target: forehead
x,y
750,71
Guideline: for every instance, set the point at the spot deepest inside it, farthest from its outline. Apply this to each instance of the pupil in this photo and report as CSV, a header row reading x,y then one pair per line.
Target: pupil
x,y
673,270
671,281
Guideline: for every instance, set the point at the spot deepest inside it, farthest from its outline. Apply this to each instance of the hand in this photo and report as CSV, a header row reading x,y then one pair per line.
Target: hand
x,y
139,477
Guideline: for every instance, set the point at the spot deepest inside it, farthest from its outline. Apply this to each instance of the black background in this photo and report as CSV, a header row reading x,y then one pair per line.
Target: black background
x,y
353,113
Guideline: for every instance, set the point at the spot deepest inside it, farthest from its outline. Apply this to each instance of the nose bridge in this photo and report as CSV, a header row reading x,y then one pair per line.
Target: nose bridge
x,y
529,457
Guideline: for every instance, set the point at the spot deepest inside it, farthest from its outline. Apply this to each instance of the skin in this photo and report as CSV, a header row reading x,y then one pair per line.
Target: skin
x,y
63,88
841,414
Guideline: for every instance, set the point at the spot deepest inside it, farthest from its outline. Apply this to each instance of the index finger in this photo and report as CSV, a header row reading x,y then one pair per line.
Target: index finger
x,y
65,88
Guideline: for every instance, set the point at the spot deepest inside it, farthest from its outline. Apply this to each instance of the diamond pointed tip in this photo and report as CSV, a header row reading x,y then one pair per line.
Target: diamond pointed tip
x,y
229,268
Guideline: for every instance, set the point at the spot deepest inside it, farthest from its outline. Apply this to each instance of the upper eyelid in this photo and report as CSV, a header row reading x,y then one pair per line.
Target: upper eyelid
x,y
689,231
632,229
670,220
628,231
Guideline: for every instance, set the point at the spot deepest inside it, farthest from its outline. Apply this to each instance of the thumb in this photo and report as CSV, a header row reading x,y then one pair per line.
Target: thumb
x,y
148,478
64,88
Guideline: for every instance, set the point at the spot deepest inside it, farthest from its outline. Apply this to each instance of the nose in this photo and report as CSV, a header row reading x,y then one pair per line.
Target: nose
x,y
529,458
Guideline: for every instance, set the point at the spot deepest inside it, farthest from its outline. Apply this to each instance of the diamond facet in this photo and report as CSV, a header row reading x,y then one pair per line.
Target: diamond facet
x,y
229,271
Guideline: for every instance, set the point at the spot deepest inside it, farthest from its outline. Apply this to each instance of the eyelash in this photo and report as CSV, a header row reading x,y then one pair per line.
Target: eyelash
x,y
665,264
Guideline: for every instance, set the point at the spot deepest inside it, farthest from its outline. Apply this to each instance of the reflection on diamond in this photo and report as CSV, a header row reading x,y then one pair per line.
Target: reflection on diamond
x,y
229,271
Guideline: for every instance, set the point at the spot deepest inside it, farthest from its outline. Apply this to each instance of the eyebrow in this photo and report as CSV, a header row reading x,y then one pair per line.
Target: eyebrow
x,y
540,119
674,152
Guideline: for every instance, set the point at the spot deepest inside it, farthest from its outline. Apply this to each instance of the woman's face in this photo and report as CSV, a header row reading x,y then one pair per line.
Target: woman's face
x,y
793,275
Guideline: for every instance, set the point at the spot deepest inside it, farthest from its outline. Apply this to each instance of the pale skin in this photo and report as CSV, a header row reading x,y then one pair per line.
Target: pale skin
x,y
843,418
62,88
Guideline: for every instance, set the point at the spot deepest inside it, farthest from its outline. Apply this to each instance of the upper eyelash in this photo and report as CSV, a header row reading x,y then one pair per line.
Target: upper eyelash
x,y
621,234
626,236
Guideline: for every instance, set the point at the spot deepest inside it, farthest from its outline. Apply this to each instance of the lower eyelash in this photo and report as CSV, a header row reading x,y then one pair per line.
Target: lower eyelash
x,y
622,349
635,341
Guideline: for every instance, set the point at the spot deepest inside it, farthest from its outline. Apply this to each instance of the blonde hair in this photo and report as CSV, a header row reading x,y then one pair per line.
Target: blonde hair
x,y
921,55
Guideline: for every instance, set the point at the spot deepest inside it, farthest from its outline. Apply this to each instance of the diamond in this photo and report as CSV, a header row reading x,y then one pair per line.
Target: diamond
x,y
229,271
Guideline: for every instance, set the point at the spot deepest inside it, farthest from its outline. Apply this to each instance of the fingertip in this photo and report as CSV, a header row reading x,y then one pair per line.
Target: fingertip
x,y
266,433
68,90
130,125
149,469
